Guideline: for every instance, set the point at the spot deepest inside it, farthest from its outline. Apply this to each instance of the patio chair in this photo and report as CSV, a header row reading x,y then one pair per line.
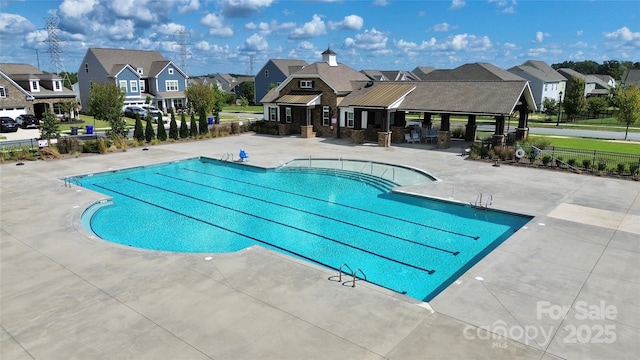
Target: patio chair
x,y
407,138
432,136
243,156
415,137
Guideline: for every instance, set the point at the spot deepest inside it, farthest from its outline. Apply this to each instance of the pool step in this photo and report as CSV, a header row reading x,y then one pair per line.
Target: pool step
x,y
375,181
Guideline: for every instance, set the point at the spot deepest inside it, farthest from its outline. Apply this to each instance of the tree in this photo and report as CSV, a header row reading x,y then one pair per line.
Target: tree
x,y
138,132
248,91
203,124
573,103
49,127
184,129
201,98
149,134
106,101
69,108
244,102
162,132
193,126
173,127
550,106
628,103
596,105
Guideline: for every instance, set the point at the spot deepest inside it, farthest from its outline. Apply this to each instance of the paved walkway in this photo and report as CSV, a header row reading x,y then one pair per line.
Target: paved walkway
x,y
565,286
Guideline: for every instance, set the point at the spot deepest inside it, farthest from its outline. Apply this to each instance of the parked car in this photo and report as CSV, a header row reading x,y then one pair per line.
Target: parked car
x,y
28,121
131,111
7,124
157,113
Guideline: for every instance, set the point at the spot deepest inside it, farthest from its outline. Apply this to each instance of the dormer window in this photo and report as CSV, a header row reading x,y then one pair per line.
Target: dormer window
x,y
140,71
170,71
306,84
35,85
56,86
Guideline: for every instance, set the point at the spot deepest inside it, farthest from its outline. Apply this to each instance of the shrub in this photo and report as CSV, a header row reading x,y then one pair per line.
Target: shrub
x,y
91,146
68,145
235,128
633,169
546,160
532,155
458,133
540,142
102,146
505,153
559,161
50,152
572,162
621,168
602,166
586,163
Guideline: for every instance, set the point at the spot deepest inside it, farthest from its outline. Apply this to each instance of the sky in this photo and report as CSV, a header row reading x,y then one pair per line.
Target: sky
x,y
240,36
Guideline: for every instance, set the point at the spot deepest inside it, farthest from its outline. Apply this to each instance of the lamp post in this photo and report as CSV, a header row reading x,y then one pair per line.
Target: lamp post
x,y
559,109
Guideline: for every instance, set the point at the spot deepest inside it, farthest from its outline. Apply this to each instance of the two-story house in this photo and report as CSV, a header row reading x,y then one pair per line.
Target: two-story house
x,y
593,86
141,75
545,81
631,77
26,90
273,73
307,101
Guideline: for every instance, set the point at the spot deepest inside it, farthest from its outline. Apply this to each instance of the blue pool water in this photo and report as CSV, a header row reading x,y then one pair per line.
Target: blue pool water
x,y
408,244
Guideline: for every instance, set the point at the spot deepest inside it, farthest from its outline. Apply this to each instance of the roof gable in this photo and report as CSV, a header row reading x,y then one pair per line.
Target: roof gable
x,y
338,77
288,66
143,59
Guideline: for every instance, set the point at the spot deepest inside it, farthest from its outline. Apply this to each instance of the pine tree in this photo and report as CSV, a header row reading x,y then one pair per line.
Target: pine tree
x,y
173,127
204,125
193,126
138,132
162,132
184,130
148,132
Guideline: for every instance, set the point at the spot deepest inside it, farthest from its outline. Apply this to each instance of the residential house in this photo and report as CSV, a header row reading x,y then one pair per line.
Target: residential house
x,y
607,79
631,77
273,73
471,72
545,81
421,71
390,75
593,86
141,74
26,90
234,84
306,102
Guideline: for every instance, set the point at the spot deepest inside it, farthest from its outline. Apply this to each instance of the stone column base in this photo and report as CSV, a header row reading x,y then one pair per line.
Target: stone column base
x,y
384,138
357,136
283,129
307,131
498,140
522,133
444,139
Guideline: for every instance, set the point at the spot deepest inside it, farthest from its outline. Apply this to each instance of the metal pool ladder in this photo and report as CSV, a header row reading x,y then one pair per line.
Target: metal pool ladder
x,y
353,274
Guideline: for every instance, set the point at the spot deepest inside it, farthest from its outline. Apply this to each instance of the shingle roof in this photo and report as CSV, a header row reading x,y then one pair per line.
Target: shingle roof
x,y
22,69
539,74
382,94
550,72
631,77
136,58
339,77
467,97
288,66
472,72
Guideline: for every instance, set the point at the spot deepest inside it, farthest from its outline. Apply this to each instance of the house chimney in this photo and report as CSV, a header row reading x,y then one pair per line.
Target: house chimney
x,y
329,57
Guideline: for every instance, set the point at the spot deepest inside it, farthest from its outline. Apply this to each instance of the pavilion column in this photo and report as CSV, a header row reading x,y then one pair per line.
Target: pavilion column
x,y
427,122
522,131
471,129
444,135
498,136
384,136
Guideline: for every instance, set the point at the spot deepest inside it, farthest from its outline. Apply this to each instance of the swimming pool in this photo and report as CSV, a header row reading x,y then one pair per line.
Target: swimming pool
x,y
408,244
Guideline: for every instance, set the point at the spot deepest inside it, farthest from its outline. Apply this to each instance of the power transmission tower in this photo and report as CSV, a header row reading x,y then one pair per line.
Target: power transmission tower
x,y
55,52
184,51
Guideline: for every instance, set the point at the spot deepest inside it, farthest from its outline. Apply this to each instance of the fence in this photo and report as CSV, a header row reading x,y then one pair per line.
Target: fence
x,y
620,163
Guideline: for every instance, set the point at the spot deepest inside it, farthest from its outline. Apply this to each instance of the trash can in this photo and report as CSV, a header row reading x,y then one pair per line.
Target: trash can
x,y
210,120
217,119
74,130
89,129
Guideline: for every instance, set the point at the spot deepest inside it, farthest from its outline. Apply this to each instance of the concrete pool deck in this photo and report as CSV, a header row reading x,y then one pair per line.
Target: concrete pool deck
x,y
565,286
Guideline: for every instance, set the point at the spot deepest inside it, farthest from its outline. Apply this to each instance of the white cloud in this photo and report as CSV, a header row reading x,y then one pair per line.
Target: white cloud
x,y
313,28
77,8
460,42
380,3
203,45
188,5
255,42
267,28
216,26
369,40
122,29
456,4
14,24
507,7
351,22
243,8
133,9
168,29
443,27
540,36
623,37
579,33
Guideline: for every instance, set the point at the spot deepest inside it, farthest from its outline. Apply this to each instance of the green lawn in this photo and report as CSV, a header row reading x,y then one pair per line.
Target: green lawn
x,y
593,144
255,109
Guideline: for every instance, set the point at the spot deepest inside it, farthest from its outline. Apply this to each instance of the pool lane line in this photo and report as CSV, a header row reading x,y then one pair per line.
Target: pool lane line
x,y
429,271
312,213
474,237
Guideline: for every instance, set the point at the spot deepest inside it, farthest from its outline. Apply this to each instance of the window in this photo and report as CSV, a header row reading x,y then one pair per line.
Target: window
x,y
133,85
272,114
325,116
140,71
266,73
35,85
171,85
3,92
350,119
142,86
123,85
287,112
306,84
545,87
170,71
56,84
86,67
